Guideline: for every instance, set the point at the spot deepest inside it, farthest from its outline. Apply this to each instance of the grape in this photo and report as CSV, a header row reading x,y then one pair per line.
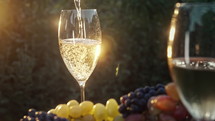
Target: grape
x,y
152,93
59,105
126,114
88,118
136,102
172,91
34,115
142,103
123,99
146,89
147,96
72,103
50,116
31,112
86,107
31,118
25,118
76,119
75,111
99,111
158,86
139,90
108,119
52,111
165,103
180,113
41,115
161,91
56,118
131,95
122,108
166,117
112,108
118,118
135,109
127,102
62,110
135,117
139,95
151,106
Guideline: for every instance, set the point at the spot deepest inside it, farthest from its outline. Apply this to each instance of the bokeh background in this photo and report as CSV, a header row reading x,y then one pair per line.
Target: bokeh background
x,y
33,75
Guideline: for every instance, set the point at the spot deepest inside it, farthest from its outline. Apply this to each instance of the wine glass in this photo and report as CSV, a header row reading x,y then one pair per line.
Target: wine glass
x,y
191,57
79,36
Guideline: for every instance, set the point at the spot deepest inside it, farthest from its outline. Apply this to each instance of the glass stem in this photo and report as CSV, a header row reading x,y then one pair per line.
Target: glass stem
x,y
82,87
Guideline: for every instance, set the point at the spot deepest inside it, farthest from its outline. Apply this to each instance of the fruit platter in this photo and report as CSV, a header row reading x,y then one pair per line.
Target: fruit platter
x,y
155,103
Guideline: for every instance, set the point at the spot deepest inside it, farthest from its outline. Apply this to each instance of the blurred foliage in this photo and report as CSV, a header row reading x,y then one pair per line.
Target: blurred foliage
x,y
33,75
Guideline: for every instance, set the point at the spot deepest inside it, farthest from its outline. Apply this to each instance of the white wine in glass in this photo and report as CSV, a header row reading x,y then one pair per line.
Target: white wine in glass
x,y
80,43
191,57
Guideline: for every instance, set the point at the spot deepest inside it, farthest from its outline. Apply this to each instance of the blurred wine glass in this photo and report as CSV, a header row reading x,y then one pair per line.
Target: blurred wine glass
x,y
191,57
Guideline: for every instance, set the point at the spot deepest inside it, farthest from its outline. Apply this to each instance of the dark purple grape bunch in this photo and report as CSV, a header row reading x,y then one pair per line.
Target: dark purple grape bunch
x,y
136,101
34,115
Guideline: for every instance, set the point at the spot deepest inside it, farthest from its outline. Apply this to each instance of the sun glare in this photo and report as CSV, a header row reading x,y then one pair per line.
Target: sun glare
x,y
98,51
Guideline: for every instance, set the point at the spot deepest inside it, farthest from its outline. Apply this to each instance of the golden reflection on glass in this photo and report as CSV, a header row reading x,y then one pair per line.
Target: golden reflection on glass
x,y
98,51
176,11
171,39
59,25
178,5
172,33
169,51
